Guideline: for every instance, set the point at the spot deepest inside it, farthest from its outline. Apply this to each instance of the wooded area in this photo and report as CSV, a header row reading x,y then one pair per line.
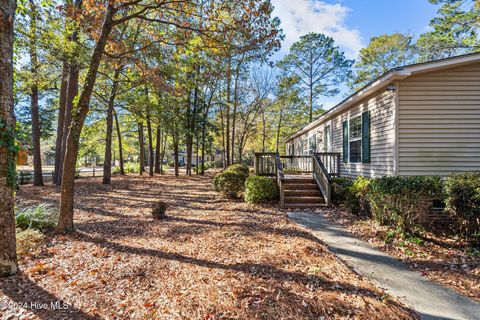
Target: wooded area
x,y
134,84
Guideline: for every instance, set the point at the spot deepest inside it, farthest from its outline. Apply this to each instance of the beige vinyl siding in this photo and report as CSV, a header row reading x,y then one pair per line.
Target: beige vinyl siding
x,y
381,107
439,122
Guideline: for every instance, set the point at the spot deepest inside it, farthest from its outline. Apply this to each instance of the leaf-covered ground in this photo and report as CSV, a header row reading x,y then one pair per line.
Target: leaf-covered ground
x,y
449,261
211,259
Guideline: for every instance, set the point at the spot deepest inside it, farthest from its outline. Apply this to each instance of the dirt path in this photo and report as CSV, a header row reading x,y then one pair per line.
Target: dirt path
x,y
211,259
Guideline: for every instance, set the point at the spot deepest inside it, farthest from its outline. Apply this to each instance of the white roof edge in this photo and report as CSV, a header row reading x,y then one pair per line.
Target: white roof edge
x,y
384,80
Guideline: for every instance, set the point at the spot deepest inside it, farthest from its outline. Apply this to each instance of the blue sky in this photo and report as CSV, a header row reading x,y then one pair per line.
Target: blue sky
x,y
351,23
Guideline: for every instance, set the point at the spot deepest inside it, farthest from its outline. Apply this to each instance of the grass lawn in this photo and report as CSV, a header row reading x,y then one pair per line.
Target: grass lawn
x,y
211,258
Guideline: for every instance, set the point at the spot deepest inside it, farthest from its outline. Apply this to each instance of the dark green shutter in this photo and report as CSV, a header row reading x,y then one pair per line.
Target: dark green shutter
x,y
366,137
345,141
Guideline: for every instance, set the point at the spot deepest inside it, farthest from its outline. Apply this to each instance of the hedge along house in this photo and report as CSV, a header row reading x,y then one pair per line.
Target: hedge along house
x,y
420,119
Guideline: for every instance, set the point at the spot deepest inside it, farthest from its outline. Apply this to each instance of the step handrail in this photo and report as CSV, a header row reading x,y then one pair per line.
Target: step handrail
x,y
280,178
322,177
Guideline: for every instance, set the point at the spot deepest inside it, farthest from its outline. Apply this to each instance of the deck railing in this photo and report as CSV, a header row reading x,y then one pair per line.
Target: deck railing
x,y
323,166
322,177
331,161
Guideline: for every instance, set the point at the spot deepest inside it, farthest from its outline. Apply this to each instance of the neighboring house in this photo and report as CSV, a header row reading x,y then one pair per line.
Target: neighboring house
x,y
421,119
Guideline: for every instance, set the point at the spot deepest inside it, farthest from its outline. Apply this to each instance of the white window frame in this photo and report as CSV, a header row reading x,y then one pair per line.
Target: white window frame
x,y
350,140
328,138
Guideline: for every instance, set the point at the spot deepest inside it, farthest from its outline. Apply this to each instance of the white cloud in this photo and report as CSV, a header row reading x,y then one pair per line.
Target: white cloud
x,y
300,17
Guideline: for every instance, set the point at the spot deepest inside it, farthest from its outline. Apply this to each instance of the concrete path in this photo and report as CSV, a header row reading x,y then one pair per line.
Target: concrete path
x,y
430,300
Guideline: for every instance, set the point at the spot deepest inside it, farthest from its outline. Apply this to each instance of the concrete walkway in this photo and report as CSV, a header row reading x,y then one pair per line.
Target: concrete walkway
x,y
430,300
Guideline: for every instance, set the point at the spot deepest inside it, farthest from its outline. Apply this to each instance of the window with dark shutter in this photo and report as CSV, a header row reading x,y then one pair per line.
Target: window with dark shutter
x,y
366,137
345,141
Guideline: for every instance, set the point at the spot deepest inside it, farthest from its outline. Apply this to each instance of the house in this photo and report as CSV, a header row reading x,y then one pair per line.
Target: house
x,y
420,119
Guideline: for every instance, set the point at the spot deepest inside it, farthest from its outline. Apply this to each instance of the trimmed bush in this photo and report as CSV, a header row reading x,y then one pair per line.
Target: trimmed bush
x,y
229,183
260,189
462,197
239,168
399,201
40,217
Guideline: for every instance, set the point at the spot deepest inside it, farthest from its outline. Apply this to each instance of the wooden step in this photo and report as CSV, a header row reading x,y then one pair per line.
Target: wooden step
x,y
313,200
303,186
302,193
300,181
304,205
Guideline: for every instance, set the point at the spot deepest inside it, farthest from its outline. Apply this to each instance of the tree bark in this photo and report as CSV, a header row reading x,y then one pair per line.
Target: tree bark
x,y
175,155
227,114
164,146
264,131
107,163
8,255
120,146
37,153
278,128
158,143
235,104
65,219
141,144
60,123
150,145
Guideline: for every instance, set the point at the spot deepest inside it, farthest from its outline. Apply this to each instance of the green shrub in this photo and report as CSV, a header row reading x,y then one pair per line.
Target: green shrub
x,y
41,217
229,183
350,193
462,196
260,189
28,240
115,170
131,167
239,168
399,201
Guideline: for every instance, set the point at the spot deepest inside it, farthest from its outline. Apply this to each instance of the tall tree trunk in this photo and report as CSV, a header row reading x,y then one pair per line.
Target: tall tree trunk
x,y
158,143
37,154
8,255
65,219
175,155
235,104
203,147
107,163
264,131
150,146
224,163
278,128
227,113
141,144
164,146
60,123
71,93
120,146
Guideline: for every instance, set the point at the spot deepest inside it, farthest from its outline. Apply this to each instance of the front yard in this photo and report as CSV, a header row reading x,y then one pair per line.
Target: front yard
x,y
450,261
211,258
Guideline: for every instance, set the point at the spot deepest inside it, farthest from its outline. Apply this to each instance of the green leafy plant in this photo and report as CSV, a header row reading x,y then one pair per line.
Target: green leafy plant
x,y
240,169
40,217
131,167
462,197
398,201
260,189
229,183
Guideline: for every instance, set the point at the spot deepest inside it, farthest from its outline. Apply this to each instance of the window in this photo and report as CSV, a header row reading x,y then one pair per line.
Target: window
x,y
312,144
355,139
327,139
